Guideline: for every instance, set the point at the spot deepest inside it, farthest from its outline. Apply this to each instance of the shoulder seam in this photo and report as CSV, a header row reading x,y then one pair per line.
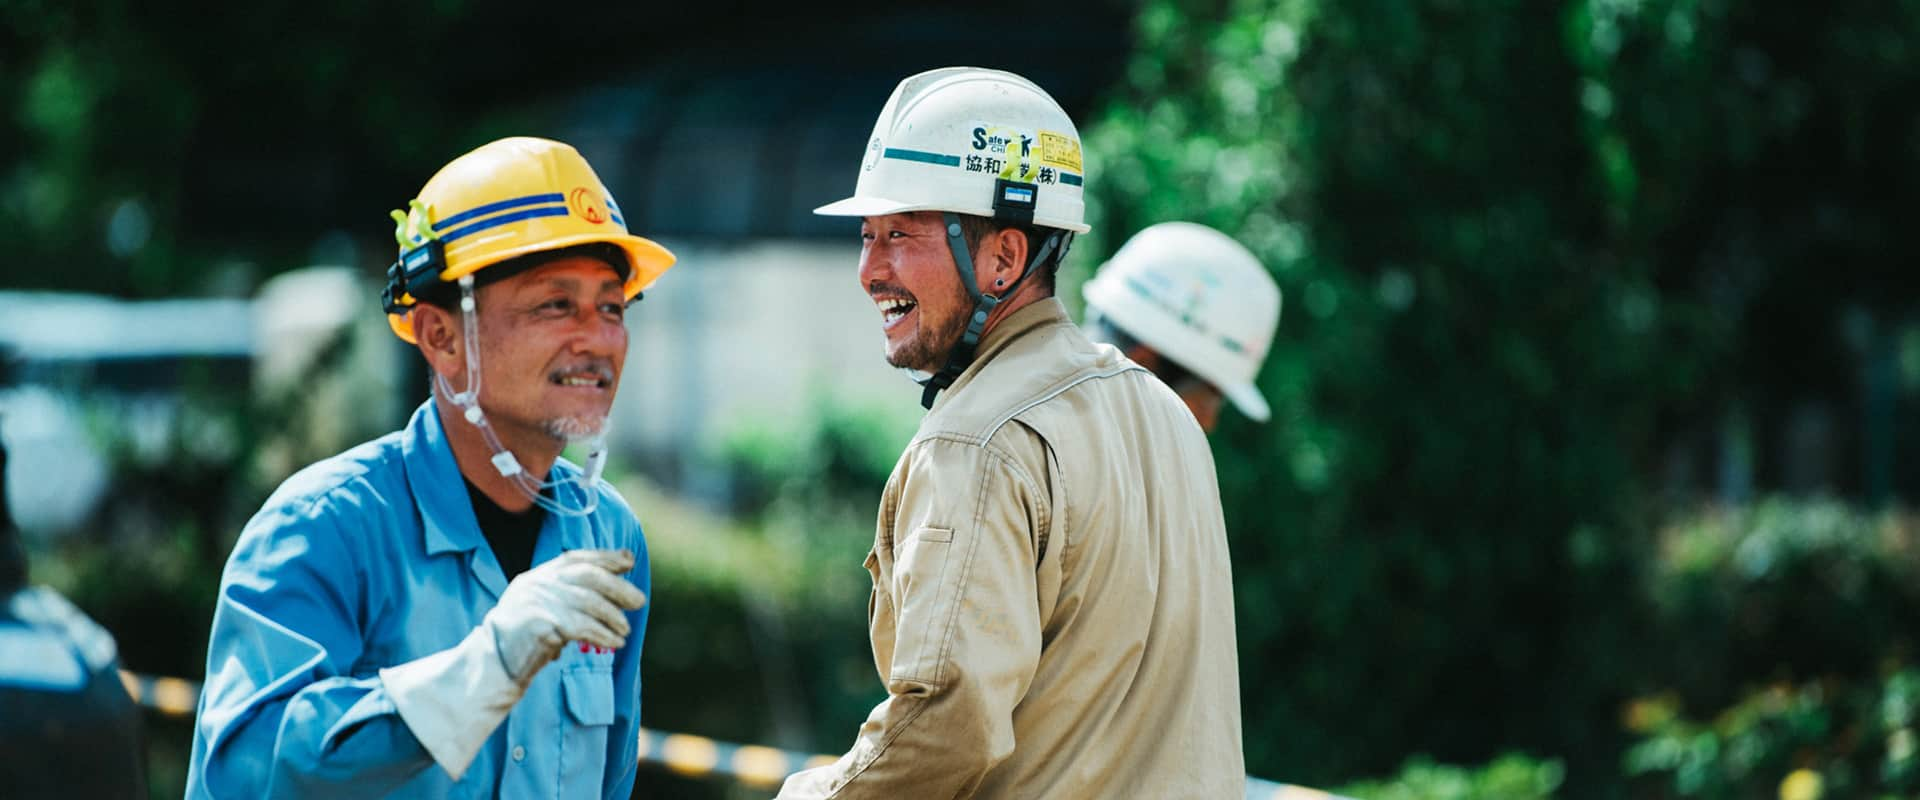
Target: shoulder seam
x,y
1056,391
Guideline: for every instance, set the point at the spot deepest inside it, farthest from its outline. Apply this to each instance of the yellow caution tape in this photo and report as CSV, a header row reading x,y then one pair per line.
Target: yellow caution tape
x,y
682,753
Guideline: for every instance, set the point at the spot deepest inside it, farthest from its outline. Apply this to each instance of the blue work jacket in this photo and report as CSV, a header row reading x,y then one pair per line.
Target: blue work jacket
x,y
370,559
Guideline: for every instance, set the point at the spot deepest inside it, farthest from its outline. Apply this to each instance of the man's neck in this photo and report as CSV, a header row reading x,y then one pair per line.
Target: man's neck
x,y
1029,293
475,459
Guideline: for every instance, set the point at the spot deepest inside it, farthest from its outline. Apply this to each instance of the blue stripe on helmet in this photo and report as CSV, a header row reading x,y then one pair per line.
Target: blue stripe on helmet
x,y
514,202
1070,179
495,222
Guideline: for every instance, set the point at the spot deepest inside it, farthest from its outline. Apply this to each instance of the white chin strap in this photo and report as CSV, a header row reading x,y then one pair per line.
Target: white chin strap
x,y
503,460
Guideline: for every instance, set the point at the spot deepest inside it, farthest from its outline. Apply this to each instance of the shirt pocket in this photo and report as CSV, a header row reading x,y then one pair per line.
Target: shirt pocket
x,y
588,691
926,586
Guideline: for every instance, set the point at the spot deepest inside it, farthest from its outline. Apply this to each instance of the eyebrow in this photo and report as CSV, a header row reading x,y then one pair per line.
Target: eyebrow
x,y
572,284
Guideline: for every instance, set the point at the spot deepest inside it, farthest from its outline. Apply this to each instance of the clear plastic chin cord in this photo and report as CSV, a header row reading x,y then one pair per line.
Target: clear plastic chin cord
x,y
503,460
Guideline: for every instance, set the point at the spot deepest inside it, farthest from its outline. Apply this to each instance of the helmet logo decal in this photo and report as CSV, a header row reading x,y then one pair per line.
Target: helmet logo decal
x,y
587,205
1004,151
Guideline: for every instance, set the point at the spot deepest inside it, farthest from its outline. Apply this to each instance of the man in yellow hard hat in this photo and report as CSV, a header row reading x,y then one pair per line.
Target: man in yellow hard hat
x,y
1052,609
389,623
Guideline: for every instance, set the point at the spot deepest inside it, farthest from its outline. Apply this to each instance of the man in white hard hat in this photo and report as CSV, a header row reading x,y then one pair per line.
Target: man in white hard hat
x,y
1195,307
453,610
1052,611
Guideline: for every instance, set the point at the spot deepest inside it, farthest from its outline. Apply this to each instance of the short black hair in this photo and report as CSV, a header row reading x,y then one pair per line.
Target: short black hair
x,y
973,228
447,295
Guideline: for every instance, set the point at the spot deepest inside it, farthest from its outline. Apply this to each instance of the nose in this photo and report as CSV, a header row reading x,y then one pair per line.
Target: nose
x,y
596,334
875,264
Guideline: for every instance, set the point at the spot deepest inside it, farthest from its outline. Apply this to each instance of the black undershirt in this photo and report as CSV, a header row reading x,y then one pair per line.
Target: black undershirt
x,y
510,534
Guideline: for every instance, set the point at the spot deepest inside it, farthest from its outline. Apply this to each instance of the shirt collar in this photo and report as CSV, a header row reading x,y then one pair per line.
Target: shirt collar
x,y
446,514
1029,318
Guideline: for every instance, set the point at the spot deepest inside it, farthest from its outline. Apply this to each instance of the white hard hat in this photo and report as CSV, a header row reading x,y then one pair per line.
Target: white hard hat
x,y
971,141
1198,297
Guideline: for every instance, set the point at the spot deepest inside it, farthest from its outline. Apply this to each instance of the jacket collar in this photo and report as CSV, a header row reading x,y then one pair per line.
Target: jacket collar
x,y
446,512
1034,316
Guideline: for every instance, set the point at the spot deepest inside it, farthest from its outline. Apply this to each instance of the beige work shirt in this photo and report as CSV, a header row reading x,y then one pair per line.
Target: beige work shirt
x,y
1052,608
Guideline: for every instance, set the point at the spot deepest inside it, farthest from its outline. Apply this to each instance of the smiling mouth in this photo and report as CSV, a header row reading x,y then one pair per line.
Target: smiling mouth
x,y
587,378
893,309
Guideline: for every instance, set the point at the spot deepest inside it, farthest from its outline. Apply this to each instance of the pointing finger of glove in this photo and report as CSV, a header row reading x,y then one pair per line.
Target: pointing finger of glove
x,y
592,603
619,561
616,589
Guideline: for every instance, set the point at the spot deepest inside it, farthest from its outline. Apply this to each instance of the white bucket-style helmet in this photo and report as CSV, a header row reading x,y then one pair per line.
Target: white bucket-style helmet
x,y
1198,297
971,141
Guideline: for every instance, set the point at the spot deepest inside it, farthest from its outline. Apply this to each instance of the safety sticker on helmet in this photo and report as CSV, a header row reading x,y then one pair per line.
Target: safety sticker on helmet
x,y
1060,150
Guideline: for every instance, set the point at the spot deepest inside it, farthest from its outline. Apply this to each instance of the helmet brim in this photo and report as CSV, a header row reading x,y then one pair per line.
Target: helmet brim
x,y
647,260
867,207
1248,399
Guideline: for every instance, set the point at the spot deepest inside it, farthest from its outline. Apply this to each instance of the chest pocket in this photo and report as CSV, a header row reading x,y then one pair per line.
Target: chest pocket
x,y
590,710
589,695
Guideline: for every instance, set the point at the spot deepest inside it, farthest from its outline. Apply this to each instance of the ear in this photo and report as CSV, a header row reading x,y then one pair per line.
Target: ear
x,y
438,334
1002,254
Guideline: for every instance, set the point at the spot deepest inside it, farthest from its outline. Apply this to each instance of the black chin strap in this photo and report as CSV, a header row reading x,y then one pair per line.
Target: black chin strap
x,y
983,304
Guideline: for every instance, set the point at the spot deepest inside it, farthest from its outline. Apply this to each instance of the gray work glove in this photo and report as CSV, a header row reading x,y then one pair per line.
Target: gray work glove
x,y
454,699
580,596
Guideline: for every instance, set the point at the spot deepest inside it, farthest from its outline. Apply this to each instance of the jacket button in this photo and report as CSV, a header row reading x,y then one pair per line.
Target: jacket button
x,y
519,753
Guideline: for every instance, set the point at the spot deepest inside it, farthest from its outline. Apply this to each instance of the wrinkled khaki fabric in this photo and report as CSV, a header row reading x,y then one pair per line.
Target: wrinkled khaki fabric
x,y
1052,609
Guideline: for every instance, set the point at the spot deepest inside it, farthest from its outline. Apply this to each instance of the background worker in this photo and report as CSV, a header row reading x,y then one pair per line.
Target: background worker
x,y
1195,307
67,726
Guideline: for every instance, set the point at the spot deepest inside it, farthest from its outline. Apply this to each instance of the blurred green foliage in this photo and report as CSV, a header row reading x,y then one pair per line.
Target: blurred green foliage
x,y
1509,777
1787,625
1829,738
1520,243
1748,596
1430,536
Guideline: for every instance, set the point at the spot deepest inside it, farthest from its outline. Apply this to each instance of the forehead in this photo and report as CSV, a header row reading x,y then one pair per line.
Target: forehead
x,y
574,269
905,220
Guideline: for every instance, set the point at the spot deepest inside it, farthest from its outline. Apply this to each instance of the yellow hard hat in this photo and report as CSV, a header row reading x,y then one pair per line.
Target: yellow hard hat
x,y
507,199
